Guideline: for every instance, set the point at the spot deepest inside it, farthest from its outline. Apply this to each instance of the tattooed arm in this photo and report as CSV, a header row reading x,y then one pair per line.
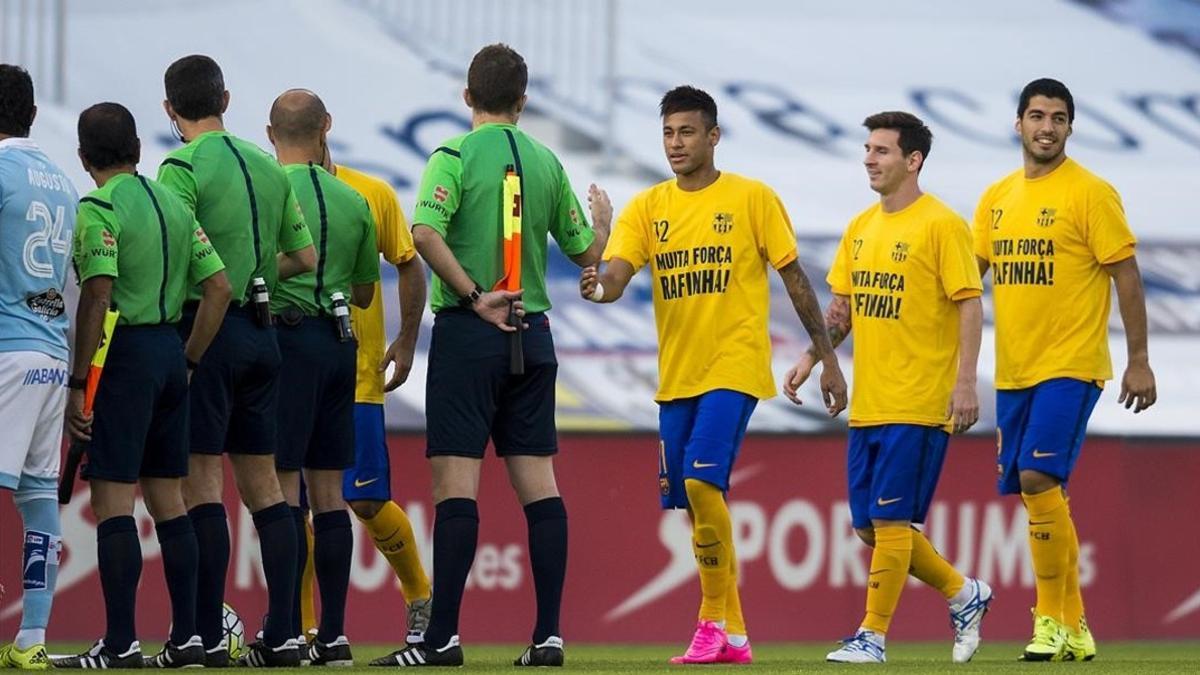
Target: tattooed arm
x,y
837,320
804,300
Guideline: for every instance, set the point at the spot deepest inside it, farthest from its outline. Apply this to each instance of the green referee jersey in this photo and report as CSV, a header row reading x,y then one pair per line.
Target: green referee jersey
x,y
344,233
138,232
460,197
243,200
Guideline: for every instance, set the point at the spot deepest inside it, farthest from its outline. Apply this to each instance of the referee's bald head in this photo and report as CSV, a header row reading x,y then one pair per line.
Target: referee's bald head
x,y
298,116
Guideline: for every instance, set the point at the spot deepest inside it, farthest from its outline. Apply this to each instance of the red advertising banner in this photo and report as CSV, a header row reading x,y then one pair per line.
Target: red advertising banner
x,y
632,578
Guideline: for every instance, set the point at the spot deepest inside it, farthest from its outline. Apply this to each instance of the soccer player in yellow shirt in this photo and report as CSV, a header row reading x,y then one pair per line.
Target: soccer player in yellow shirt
x,y
1055,237
709,237
904,279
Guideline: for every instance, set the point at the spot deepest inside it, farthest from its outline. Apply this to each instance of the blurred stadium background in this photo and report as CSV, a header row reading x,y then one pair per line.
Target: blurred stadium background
x,y
793,81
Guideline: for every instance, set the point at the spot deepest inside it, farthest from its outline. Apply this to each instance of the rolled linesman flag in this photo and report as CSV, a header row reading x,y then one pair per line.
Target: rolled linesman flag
x,y
78,448
511,281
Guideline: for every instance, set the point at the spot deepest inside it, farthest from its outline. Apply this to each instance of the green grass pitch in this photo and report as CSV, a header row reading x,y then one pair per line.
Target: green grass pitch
x,y
925,657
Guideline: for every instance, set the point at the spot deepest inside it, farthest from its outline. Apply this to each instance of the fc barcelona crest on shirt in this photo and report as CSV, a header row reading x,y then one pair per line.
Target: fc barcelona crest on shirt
x,y
1046,216
900,251
722,222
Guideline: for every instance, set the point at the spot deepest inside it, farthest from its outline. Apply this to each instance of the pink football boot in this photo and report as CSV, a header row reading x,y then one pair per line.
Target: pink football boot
x,y
707,645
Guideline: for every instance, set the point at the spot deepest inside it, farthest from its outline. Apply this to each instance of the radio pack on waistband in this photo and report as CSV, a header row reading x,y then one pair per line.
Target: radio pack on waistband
x,y
262,301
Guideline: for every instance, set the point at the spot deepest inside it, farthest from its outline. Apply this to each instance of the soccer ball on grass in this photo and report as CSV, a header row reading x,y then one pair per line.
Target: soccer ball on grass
x,y
234,631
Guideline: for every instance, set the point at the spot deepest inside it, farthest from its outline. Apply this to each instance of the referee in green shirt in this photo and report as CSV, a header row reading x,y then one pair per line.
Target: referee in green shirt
x,y
316,383
243,199
470,394
137,246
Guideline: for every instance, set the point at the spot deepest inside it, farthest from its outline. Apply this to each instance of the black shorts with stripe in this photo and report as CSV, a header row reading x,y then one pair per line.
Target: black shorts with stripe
x,y
470,396
316,396
140,423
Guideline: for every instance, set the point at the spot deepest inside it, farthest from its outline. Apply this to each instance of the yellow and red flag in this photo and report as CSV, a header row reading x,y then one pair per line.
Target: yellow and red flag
x,y
511,281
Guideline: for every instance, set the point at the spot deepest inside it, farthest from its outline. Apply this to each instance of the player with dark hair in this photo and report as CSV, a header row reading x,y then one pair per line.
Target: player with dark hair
x,y
1055,237
316,381
37,220
242,198
709,237
487,203
138,247
903,278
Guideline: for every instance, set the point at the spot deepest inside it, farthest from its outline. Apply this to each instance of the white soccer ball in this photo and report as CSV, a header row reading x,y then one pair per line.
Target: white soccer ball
x,y
234,631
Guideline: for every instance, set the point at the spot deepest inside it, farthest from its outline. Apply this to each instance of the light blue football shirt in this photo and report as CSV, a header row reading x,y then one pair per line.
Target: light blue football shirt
x,y
37,222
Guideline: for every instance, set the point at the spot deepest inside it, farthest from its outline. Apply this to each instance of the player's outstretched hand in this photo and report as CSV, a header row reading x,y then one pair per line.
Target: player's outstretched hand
x,y
963,411
833,387
403,358
796,377
78,425
493,306
601,207
1137,387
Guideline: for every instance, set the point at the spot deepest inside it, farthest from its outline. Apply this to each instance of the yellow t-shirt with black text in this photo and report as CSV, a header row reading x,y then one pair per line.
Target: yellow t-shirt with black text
x,y
903,273
396,245
709,252
1047,240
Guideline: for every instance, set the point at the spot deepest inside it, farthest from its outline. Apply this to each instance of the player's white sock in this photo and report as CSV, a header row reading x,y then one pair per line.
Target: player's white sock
x,y
28,637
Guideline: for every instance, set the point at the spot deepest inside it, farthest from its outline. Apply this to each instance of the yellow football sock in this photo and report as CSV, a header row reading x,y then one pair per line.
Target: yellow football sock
x,y
890,560
393,536
930,567
735,623
1073,596
1050,547
712,543
308,584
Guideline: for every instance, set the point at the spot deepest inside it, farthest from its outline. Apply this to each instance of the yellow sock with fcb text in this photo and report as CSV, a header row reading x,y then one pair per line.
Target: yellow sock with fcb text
x,y
1050,537
735,623
930,567
890,561
712,534
308,607
1073,595
392,533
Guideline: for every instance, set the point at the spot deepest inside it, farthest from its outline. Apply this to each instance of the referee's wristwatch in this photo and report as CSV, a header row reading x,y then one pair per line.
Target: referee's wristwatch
x,y
468,301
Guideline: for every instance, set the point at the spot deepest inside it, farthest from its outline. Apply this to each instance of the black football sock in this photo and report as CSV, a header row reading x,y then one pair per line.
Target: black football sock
x,y
300,518
181,558
277,538
547,521
212,539
119,554
333,544
455,535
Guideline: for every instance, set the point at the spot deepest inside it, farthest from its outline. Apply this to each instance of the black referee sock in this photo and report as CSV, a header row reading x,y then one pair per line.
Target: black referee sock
x,y
333,543
547,520
119,554
300,518
455,535
277,538
181,558
212,539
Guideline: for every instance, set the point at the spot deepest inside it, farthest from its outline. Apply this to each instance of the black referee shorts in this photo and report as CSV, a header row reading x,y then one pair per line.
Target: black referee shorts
x,y
141,408
232,392
470,395
316,396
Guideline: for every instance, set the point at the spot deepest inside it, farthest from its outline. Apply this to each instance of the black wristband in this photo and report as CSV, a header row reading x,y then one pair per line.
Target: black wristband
x,y
76,383
192,365
468,301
